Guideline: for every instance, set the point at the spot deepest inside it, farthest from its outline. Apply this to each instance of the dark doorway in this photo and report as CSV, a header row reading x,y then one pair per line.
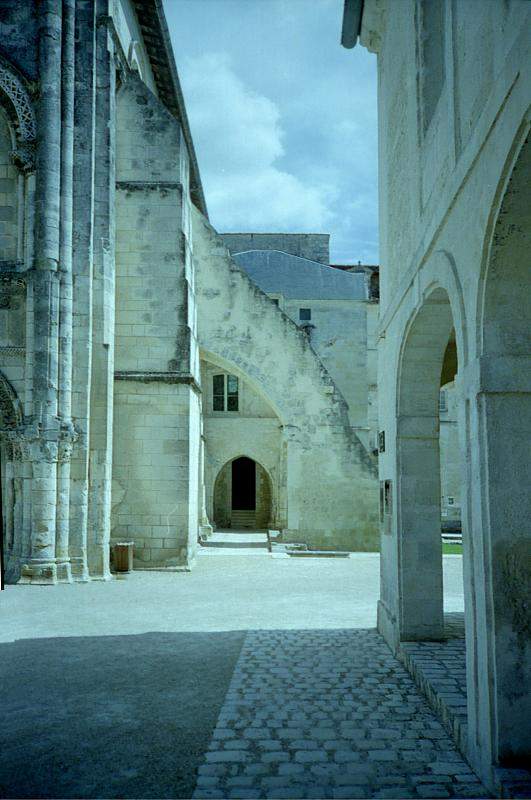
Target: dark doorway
x,y
244,484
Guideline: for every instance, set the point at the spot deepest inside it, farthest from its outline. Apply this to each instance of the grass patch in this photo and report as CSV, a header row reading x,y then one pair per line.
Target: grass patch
x,y
449,549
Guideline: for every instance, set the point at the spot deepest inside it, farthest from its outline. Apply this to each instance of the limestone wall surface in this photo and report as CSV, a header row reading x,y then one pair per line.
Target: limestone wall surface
x,y
157,412
331,487
454,101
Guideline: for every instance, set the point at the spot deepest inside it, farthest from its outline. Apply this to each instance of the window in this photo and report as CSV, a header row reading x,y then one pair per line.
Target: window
x,y
225,393
305,314
275,300
431,45
451,501
443,401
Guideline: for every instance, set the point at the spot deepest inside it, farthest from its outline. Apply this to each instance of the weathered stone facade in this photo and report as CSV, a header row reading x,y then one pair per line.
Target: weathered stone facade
x,y
454,100
111,281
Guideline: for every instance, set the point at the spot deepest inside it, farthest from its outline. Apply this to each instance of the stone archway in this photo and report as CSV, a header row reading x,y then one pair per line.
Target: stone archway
x,y
421,369
10,482
501,417
243,495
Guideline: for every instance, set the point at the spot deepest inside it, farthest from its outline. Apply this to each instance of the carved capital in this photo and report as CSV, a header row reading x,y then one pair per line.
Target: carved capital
x,y
24,157
67,438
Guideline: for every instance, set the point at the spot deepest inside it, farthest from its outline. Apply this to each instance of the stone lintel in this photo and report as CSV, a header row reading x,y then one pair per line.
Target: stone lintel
x,y
158,377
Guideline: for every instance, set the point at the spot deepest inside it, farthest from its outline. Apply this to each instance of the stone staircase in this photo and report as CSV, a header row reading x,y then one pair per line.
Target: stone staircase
x,y
243,520
235,542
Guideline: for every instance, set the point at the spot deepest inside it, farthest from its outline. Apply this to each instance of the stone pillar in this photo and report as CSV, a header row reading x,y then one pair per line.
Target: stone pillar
x,y
102,381
205,528
499,547
82,268
293,473
43,433
67,435
419,529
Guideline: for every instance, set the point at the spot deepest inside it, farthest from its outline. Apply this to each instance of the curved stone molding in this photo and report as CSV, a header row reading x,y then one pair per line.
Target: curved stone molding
x,y
10,409
23,114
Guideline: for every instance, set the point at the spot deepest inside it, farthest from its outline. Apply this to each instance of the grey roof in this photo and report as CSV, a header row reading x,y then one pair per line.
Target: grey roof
x,y
299,278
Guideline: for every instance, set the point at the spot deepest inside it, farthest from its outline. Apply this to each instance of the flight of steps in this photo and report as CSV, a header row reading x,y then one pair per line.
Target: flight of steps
x,y
235,542
243,519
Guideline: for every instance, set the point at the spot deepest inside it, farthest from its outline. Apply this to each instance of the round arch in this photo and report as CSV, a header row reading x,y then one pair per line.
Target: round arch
x,y
16,101
248,489
502,421
420,367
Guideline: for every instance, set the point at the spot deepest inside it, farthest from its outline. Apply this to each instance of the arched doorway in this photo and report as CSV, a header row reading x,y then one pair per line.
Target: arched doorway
x,y
242,495
10,484
428,360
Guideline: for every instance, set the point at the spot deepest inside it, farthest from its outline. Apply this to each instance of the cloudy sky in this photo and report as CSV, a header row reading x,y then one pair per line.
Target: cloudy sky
x,y
283,118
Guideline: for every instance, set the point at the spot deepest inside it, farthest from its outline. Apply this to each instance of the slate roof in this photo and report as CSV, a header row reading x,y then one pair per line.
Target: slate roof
x,y
276,272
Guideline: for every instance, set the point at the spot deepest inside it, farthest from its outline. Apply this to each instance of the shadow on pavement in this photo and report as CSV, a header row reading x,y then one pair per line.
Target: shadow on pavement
x,y
110,716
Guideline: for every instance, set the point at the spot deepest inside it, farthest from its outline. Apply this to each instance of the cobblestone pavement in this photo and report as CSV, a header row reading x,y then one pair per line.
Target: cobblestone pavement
x,y
328,714
439,668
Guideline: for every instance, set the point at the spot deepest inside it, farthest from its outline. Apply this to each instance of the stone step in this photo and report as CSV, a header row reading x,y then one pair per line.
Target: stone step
x,y
237,540
243,519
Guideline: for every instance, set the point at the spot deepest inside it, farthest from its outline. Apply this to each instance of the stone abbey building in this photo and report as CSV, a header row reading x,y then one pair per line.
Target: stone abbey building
x,y
125,321
114,288
454,105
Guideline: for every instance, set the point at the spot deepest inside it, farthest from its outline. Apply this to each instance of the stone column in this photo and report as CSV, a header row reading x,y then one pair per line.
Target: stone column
x,y
419,528
103,283
205,528
498,547
67,434
42,435
82,267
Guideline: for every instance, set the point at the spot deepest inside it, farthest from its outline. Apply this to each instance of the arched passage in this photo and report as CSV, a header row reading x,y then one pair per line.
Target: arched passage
x,y
425,362
10,483
242,495
502,410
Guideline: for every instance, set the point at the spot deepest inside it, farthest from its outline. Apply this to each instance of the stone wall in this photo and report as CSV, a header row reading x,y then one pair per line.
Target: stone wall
x,y
452,221
331,487
157,413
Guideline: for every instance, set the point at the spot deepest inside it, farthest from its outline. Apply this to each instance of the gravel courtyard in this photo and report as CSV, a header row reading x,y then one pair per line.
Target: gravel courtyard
x,y
248,677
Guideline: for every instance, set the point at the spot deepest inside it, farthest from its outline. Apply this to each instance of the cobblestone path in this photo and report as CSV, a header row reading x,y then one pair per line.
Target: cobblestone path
x,y
328,714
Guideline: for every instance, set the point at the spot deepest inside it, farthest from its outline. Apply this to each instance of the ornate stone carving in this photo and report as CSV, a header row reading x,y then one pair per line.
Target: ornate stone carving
x,y
67,438
22,115
10,410
24,156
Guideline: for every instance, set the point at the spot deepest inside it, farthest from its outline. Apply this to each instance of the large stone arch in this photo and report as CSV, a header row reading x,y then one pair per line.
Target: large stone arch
x,y
500,402
418,470
332,486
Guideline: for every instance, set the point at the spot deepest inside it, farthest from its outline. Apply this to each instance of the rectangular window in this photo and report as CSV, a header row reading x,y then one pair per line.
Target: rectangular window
x,y
232,393
219,393
305,314
225,393
443,402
